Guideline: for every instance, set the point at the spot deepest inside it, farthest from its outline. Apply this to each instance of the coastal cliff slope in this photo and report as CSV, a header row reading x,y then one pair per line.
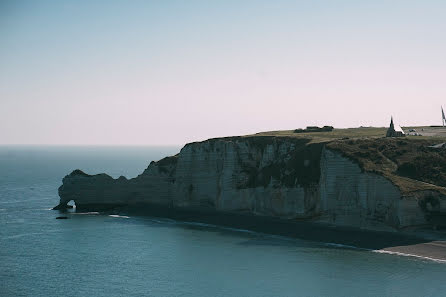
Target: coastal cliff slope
x,y
363,182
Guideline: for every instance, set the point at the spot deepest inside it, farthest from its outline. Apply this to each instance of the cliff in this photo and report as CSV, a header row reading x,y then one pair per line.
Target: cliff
x,y
293,178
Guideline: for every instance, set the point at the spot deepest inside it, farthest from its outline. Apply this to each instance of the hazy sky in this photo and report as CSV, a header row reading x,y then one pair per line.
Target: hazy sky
x,y
170,72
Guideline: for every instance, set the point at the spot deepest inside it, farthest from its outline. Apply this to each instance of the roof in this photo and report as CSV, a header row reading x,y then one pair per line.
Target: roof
x,y
399,129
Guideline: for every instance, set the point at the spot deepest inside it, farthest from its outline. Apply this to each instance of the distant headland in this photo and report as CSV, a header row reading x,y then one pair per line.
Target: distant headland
x,y
350,178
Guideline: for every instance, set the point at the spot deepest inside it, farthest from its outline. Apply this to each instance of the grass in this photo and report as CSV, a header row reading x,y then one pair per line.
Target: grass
x,y
315,137
407,161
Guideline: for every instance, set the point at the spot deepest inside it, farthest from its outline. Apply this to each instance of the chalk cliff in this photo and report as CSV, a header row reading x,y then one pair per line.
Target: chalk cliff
x,y
283,177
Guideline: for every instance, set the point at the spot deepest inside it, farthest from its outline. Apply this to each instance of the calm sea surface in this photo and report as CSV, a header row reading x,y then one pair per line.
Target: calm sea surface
x,y
101,255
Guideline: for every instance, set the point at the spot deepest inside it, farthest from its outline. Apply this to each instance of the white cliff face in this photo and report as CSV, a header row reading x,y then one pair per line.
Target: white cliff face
x,y
352,197
274,177
215,174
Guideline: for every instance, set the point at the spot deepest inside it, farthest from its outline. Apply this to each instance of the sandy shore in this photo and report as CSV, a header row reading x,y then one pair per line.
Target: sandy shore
x,y
434,250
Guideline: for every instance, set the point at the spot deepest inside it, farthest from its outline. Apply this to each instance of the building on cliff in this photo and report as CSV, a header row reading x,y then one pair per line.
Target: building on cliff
x,y
394,131
443,117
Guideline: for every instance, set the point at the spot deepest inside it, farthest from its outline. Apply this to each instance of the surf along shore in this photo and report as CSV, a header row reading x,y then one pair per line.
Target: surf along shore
x,y
389,158
424,244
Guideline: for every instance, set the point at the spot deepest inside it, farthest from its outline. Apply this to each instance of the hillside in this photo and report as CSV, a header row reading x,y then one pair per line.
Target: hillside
x,y
408,162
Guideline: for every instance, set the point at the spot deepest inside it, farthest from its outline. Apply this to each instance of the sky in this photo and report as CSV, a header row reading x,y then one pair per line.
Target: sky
x,y
171,72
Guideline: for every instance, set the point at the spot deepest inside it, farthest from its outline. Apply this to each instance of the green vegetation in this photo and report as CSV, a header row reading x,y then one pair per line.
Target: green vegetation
x,y
300,167
329,136
408,161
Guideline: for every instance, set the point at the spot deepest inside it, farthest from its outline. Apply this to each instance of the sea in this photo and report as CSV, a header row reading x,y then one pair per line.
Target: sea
x,y
93,254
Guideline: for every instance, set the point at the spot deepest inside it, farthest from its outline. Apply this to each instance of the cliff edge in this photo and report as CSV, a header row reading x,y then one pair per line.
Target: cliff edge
x,y
372,183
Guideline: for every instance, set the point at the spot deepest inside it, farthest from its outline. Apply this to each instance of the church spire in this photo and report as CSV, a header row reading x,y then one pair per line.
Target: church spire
x,y
443,118
394,132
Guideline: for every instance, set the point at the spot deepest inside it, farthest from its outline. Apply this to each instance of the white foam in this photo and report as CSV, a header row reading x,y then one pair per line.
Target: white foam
x,y
386,252
345,246
161,221
118,216
87,213
409,255
276,236
22,235
218,227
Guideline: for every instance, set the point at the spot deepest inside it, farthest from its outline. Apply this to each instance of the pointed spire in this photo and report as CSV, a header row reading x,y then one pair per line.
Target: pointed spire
x,y
443,118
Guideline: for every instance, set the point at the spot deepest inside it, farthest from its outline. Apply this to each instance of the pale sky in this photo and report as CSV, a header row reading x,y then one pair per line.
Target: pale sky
x,y
171,72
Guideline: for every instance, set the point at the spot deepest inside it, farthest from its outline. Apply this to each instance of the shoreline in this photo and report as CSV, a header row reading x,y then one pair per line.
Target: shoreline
x,y
398,243
433,251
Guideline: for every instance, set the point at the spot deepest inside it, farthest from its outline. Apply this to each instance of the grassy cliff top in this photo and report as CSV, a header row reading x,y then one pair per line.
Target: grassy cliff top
x,y
328,136
408,161
427,132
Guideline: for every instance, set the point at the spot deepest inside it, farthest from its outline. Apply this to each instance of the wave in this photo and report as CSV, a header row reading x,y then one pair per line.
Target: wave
x,y
385,252
328,244
331,244
29,234
409,255
345,246
163,221
219,227
118,216
22,235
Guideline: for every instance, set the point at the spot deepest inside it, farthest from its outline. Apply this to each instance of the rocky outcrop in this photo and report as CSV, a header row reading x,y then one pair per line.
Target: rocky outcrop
x,y
289,178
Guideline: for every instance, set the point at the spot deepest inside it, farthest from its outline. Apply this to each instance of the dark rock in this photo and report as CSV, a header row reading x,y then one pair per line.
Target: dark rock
x,y
62,207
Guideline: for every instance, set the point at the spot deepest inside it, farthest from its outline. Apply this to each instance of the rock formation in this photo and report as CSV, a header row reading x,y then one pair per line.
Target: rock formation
x,y
289,178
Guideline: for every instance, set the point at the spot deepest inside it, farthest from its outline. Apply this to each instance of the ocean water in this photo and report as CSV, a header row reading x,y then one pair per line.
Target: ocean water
x,y
100,255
